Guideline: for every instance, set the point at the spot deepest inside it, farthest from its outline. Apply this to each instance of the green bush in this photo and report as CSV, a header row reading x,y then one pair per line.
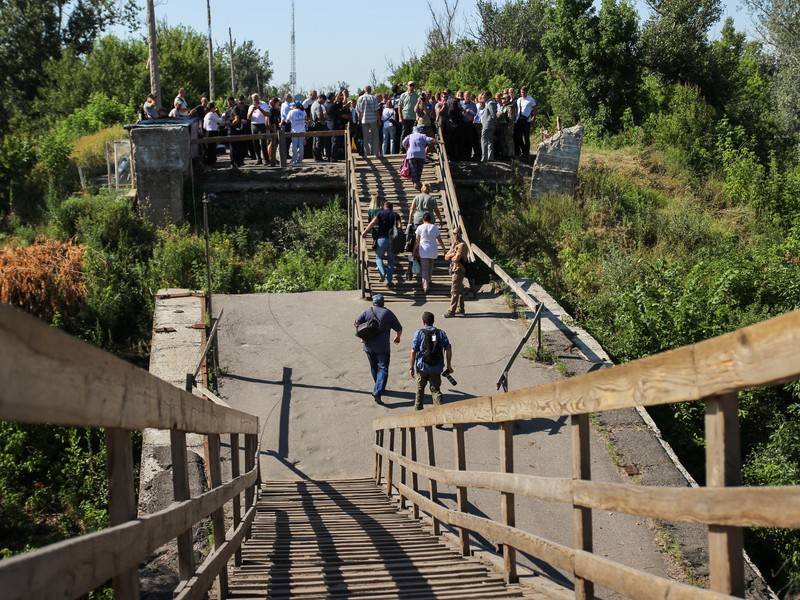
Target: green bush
x,y
298,271
321,232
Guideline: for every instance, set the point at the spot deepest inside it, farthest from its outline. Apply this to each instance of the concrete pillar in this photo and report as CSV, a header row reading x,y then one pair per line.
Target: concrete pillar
x,y
556,168
162,165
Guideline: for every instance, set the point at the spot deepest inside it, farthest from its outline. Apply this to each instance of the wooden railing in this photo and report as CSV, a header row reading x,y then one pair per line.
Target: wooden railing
x,y
712,371
280,136
50,377
356,244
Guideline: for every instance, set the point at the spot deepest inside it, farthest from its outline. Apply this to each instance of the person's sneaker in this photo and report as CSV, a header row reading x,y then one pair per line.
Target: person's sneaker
x,y
377,399
259,162
463,313
448,314
381,277
417,408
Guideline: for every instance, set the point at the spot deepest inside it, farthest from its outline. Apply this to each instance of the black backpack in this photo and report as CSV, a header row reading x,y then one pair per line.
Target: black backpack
x,y
370,328
432,353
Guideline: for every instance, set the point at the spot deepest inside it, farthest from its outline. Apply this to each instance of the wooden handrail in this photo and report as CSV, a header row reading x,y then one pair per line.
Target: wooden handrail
x,y
761,354
50,377
747,506
272,135
207,346
713,371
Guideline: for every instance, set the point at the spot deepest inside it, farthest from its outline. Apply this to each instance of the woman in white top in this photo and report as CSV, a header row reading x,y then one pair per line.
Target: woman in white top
x,y
425,248
389,129
211,123
258,115
297,120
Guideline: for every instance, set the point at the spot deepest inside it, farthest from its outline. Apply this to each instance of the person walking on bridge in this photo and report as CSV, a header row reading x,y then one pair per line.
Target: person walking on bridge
x,y
427,236
431,356
376,346
416,146
388,224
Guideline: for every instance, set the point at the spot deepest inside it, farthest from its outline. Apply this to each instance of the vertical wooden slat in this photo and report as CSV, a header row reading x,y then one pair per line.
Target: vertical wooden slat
x,y
507,511
582,517
379,460
402,468
461,492
282,147
723,468
432,483
121,500
414,479
390,464
218,516
250,445
237,499
180,491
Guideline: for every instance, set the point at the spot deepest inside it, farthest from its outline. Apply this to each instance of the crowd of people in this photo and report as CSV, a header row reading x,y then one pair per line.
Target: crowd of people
x,y
480,127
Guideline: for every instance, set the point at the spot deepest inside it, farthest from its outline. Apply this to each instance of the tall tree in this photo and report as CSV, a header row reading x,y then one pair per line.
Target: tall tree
x,y
779,25
675,39
594,60
249,64
35,32
517,25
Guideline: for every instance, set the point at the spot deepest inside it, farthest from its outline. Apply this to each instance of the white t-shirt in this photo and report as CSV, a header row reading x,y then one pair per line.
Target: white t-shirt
x,y
257,117
297,119
427,234
211,121
388,113
525,107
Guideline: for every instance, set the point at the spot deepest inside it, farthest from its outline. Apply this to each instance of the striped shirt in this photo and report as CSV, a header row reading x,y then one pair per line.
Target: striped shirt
x,y
367,107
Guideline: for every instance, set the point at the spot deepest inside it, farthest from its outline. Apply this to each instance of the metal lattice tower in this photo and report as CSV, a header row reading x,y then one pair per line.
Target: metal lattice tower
x,y
293,73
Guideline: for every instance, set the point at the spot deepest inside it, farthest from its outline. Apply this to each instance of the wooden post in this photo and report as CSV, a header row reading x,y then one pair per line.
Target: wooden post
x,y
180,491
218,516
461,492
250,445
237,499
402,468
507,500
414,479
582,517
723,468
390,464
378,457
121,500
431,482
282,147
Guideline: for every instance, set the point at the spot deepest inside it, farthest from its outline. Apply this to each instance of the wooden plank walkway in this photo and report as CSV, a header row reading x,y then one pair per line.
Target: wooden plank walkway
x,y
346,539
382,176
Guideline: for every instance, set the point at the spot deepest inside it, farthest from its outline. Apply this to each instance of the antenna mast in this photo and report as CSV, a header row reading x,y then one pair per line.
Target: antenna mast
x,y
293,73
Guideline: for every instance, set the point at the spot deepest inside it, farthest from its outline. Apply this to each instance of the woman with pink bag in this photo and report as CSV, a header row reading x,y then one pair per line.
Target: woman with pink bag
x,y
415,144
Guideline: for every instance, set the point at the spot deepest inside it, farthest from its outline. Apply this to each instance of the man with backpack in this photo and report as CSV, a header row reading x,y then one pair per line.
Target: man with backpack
x,y
431,355
389,226
373,327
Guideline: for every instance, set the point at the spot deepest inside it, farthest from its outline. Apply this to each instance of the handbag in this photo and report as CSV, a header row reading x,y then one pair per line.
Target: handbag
x,y
405,169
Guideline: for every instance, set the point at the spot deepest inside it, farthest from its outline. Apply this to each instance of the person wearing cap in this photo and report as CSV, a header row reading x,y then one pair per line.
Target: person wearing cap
x,y
416,145
406,107
377,348
296,118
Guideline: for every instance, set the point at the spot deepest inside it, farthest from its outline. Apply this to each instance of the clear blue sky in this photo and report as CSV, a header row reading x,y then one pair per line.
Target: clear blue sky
x,y
362,36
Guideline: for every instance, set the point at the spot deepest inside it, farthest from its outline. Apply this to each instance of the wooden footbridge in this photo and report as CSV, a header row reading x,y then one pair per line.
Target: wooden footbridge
x,y
389,534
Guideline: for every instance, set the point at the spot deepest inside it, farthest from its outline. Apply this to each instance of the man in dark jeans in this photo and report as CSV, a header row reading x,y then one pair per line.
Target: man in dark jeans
x,y
377,348
431,355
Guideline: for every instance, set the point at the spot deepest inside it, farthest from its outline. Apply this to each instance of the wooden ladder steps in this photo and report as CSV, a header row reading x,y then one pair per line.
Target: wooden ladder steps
x,y
346,539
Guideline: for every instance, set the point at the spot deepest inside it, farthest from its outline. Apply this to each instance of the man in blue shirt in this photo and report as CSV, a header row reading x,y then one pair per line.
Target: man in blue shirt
x,y
377,348
430,353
